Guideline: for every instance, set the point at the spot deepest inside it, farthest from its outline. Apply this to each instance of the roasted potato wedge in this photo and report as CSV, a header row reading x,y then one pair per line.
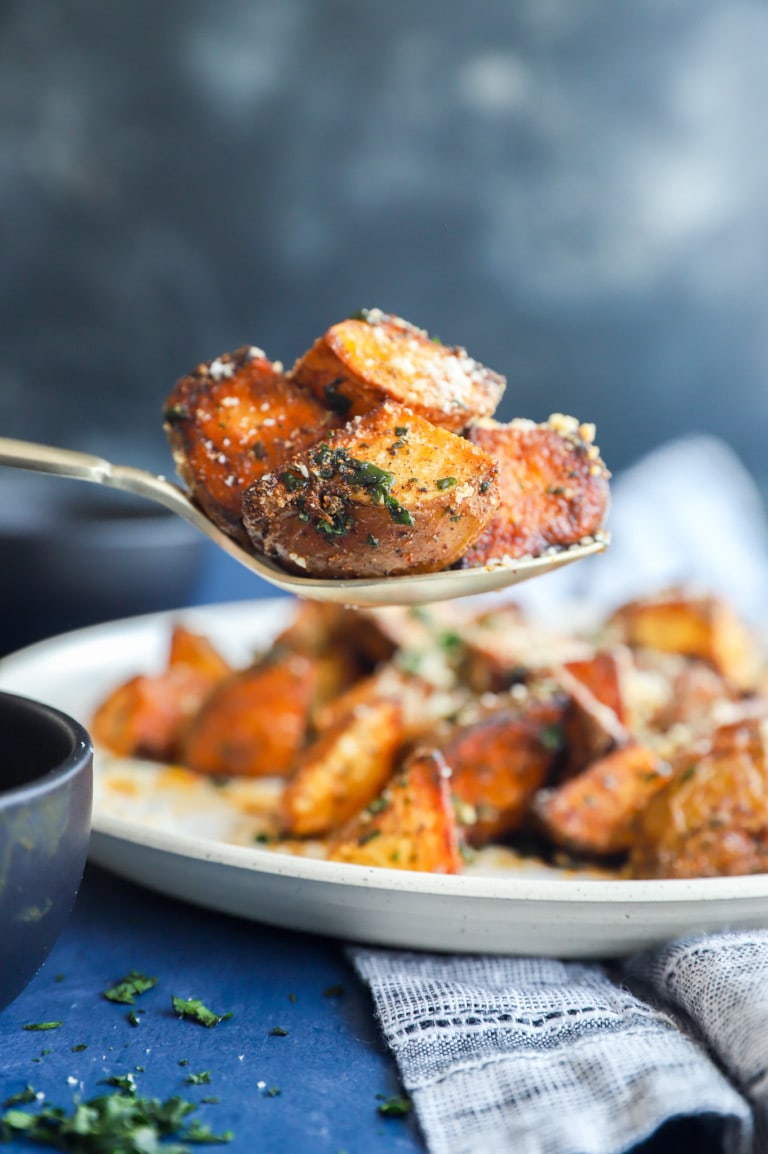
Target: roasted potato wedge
x,y
411,825
498,763
195,651
553,486
145,716
231,421
255,722
388,494
701,626
711,819
595,813
344,769
363,361
592,726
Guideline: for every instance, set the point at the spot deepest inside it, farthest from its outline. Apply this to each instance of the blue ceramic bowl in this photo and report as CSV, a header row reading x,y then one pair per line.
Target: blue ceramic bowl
x,y
46,784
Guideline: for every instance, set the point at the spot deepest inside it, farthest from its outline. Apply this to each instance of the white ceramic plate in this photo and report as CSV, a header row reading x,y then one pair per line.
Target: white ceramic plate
x,y
184,854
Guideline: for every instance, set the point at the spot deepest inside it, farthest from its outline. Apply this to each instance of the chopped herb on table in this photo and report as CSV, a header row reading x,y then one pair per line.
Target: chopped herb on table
x,y
194,1010
128,988
395,1107
28,1094
201,1079
278,1032
43,1025
112,1124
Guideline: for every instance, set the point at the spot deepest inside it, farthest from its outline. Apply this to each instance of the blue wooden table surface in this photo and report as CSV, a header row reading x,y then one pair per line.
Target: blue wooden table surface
x,y
313,1088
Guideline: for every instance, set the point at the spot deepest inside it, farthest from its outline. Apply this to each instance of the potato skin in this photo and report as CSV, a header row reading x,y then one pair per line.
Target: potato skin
x,y
553,487
595,812
145,716
499,762
363,361
232,420
255,722
711,820
388,494
410,826
698,626
343,770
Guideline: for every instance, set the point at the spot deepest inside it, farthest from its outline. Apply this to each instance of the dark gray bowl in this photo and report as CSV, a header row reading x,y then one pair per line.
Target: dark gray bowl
x,y
45,820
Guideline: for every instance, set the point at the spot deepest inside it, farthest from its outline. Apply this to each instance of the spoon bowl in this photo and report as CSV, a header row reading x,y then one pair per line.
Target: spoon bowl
x,y
419,589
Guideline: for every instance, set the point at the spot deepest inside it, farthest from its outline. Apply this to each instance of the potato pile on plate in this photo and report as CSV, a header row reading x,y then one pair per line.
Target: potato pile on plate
x,y
412,739
378,455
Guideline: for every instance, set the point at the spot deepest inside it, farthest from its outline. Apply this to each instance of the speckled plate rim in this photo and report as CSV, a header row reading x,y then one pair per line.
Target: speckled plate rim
x,y
571,916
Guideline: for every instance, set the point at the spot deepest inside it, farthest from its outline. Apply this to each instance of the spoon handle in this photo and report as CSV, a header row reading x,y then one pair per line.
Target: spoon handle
x,y
48,459
85,467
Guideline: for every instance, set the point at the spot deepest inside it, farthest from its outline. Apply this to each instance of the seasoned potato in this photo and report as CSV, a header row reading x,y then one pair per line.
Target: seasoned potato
x,y
231,421
595,813
553,486
344,769
411,825
592,727
363,361
498,763
711,819
196,651
255,722
388,494
145,716
701,626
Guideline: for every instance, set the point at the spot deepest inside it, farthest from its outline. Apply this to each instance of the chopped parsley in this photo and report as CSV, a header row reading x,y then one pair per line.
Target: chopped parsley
x,y
278,1032
551,737
395,1107
201,1079
43,1025
337,402
446,482
28,1094
194,1010
124,1082
293,481
111,1123
273,1091
128,988
377,482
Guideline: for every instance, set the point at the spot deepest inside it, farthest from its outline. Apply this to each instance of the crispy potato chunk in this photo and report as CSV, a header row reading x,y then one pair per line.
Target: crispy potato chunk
x,y
344,769
595,813
554,487
411,825
389,494
359,363
498,763
145,716
231,421
695,626
592,725
196,651
255,722
711,820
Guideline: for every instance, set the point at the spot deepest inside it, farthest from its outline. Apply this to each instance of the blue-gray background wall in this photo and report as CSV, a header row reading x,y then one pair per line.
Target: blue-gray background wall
x,y
576,190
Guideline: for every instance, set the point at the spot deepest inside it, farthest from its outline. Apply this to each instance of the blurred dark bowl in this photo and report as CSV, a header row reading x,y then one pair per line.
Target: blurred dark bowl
x,y
74,554
45,821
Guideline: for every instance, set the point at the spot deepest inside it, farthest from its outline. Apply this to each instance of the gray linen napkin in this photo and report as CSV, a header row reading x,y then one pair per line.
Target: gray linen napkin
x,y
515,1055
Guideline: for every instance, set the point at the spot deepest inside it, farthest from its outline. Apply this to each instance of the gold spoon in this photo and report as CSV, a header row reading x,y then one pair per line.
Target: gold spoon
x,y
419,589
